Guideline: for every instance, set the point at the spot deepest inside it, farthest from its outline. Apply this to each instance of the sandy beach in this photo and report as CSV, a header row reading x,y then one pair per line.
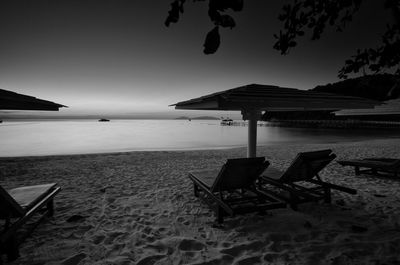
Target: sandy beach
x,y
139,208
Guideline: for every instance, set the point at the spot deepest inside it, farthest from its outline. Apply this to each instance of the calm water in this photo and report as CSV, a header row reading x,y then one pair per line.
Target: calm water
x,y
90,136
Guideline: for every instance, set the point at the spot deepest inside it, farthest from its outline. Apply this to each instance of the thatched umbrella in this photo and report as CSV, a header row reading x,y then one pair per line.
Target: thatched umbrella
x,y
13,101
252,99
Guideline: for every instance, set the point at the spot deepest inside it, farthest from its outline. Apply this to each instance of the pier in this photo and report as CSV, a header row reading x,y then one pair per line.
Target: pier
x,y
331,124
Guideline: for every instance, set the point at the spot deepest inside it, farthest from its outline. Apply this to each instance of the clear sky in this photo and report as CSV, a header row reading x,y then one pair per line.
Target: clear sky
x,y
117,57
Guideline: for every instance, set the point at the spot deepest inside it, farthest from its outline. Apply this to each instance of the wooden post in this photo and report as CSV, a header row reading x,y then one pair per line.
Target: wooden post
x,y
252,138
252,115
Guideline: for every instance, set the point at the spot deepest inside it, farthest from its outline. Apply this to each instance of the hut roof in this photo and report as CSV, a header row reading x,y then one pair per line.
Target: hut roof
x,y
266,97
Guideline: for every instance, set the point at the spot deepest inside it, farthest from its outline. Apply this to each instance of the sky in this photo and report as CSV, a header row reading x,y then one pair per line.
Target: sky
x,y
116,57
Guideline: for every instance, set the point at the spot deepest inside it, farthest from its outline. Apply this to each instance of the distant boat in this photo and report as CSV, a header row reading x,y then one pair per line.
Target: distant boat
x,y
227,122
102,120
1,121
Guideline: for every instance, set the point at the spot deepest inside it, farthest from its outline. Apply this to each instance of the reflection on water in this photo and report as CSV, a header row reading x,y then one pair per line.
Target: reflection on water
x,y
90,136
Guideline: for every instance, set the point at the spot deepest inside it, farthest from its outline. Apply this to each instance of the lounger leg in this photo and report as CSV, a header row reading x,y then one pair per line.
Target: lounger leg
x,y
196,190
220,215
50,208
293,202
328,196
357,170
11,248
7,224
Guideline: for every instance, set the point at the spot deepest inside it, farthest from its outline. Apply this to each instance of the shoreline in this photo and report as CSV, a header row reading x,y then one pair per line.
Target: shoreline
x,y
261,146
139,208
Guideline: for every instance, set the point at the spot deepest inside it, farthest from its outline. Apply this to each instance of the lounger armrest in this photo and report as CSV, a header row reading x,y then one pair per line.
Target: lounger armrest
x,y
287,188
350,163
333,186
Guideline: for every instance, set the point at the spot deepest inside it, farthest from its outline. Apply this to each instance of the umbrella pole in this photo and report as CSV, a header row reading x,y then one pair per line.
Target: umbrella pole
x,y
252,116
252,138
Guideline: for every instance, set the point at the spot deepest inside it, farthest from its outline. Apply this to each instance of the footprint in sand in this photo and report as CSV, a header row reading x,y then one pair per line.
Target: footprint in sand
x,y
82,229
249,261
226,244
270,257
183,220
111,237
246,247
75,218
190,245
147,230
74,259
98,239
160,248
150,259
223,259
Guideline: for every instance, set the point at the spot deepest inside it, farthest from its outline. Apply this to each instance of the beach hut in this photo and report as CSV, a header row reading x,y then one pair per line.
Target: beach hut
x,y
13,101
253,99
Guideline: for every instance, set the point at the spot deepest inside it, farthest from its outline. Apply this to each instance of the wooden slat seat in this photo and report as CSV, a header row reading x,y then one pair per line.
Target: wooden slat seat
x,y
29,196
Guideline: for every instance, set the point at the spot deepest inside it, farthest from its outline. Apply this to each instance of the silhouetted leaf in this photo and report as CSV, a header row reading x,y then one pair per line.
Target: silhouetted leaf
x,y
212,41
214,15
173,14
227,21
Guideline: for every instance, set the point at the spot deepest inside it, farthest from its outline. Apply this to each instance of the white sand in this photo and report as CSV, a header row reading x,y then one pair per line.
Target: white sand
x,y
139,208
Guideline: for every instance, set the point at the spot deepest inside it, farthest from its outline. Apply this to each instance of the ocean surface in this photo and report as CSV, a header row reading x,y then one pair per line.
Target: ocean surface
x,y
34,138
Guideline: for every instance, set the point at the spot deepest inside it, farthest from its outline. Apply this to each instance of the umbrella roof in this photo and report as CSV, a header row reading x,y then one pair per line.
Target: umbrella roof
x,y
13,101
266,97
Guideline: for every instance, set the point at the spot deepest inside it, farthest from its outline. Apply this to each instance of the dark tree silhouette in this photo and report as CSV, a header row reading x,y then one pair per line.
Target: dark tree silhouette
x,y
312,16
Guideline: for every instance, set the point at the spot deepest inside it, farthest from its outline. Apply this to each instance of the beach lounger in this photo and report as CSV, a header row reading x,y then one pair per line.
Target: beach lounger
x,y
231,190
374,165
19,205
300,182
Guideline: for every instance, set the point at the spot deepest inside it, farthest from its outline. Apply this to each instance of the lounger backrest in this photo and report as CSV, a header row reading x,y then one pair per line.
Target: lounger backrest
x,y
307,164
239,173
8,206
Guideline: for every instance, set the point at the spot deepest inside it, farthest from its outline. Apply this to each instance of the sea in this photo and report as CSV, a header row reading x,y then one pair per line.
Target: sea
x,y
62,137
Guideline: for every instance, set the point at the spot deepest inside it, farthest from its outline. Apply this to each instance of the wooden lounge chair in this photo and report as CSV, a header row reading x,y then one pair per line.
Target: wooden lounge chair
x,y
301,182
374,165
19,205
232,190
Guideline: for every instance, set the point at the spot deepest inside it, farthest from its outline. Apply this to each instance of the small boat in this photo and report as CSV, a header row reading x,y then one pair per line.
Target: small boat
x,y
226,122
103,120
